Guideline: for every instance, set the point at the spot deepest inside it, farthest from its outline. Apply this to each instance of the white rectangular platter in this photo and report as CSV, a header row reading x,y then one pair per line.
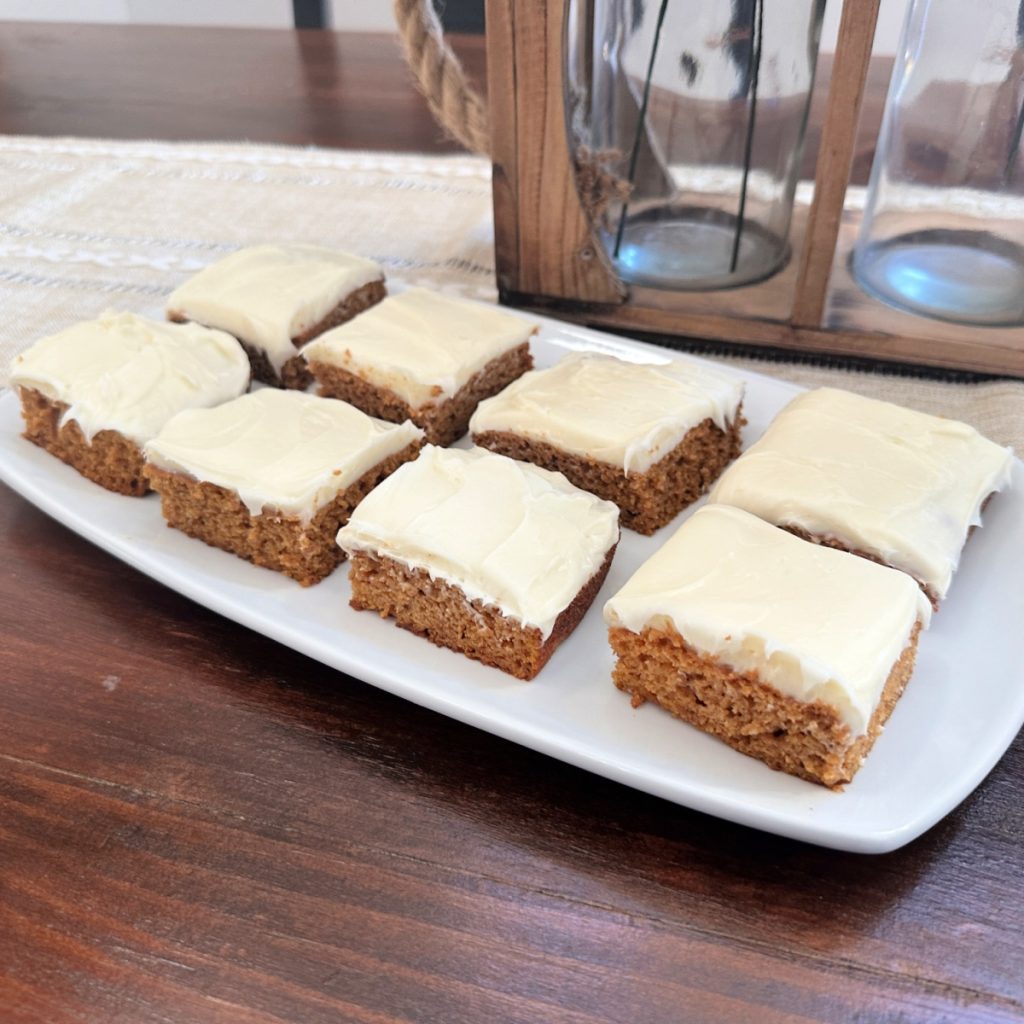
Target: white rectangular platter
x,y
961,711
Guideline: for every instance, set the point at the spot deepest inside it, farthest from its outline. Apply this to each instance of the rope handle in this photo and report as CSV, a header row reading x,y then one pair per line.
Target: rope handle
x,y
456,106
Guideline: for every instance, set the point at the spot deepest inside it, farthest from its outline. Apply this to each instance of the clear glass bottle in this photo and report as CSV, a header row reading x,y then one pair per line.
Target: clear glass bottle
x,y
686,120
943,228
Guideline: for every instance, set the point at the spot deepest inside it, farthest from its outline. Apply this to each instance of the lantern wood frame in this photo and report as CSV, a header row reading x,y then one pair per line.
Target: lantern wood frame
x,y
548,258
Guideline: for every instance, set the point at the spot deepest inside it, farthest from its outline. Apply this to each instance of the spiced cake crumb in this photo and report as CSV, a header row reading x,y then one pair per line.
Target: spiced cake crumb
x,y
490,557
272,476
651,437
276,298
95,393
422,356
893,485
791,653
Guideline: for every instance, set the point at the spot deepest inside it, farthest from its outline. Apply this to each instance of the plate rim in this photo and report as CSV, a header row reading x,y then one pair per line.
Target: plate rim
x,y
183,580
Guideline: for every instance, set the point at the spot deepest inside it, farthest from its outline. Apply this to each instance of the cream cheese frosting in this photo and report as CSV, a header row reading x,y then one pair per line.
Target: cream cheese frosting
x,y
286,451
419,344
627,414
506,533
815,623
130,374
901,485
268,294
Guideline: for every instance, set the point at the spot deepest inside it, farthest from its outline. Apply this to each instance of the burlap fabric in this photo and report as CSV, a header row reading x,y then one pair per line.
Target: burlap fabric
x,y
91,225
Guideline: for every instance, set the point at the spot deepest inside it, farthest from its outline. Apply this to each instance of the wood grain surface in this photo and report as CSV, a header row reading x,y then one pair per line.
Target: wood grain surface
x,y
535,194
197,824
261,85
838,145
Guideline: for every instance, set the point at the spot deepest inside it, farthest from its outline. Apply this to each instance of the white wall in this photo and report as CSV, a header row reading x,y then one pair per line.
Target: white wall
x,y
887,32
349,15
362,15
260,13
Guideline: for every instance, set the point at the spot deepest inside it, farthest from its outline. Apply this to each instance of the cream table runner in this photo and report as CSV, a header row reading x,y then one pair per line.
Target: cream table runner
x,y
91,225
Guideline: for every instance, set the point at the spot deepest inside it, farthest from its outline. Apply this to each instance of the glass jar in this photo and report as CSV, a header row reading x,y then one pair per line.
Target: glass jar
x,y
943,226
686,122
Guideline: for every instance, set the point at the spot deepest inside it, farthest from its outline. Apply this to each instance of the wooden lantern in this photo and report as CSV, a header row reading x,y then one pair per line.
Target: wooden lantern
x,y
549,260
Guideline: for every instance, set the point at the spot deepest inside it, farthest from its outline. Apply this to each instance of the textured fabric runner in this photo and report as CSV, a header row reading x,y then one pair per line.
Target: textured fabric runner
x,y
91,225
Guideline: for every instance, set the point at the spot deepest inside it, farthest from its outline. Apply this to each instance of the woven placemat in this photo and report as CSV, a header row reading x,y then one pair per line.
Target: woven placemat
x,y
89,225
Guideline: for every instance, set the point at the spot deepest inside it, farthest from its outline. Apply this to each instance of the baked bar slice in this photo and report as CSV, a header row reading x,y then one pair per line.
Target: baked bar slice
x,y
275,298
487,556
792,653
652,437
271,476
897,486
425,357
94,393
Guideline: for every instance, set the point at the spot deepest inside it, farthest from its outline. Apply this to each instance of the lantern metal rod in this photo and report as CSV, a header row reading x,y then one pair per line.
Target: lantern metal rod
x,y
1011,157
635,153
754,72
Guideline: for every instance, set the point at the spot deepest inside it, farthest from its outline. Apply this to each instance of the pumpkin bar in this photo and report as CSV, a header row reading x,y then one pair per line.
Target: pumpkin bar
x,y
271,476
275,298
791,653
95,393
422,356
897,486
490,557
652,437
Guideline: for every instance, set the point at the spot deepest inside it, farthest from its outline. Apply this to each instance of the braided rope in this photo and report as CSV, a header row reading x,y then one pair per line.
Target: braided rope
x,y
456,107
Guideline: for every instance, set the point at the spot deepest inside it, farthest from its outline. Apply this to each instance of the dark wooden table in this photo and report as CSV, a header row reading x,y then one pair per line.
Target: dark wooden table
x,y
199,825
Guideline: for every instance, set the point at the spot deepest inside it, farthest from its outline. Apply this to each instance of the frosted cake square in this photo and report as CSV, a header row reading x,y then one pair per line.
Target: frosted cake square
x,y
651,437
897,486
487,556
275,298
424,357
791,653
95,393
271,476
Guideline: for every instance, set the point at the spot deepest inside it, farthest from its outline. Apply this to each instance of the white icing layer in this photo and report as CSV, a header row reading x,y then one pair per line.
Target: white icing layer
x,y
505,533
419,344
285,451
268,294
126,373
898,484
627,414
815,623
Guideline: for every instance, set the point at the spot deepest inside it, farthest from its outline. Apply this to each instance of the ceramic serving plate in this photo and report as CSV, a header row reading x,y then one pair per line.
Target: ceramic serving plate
x,y
962,709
